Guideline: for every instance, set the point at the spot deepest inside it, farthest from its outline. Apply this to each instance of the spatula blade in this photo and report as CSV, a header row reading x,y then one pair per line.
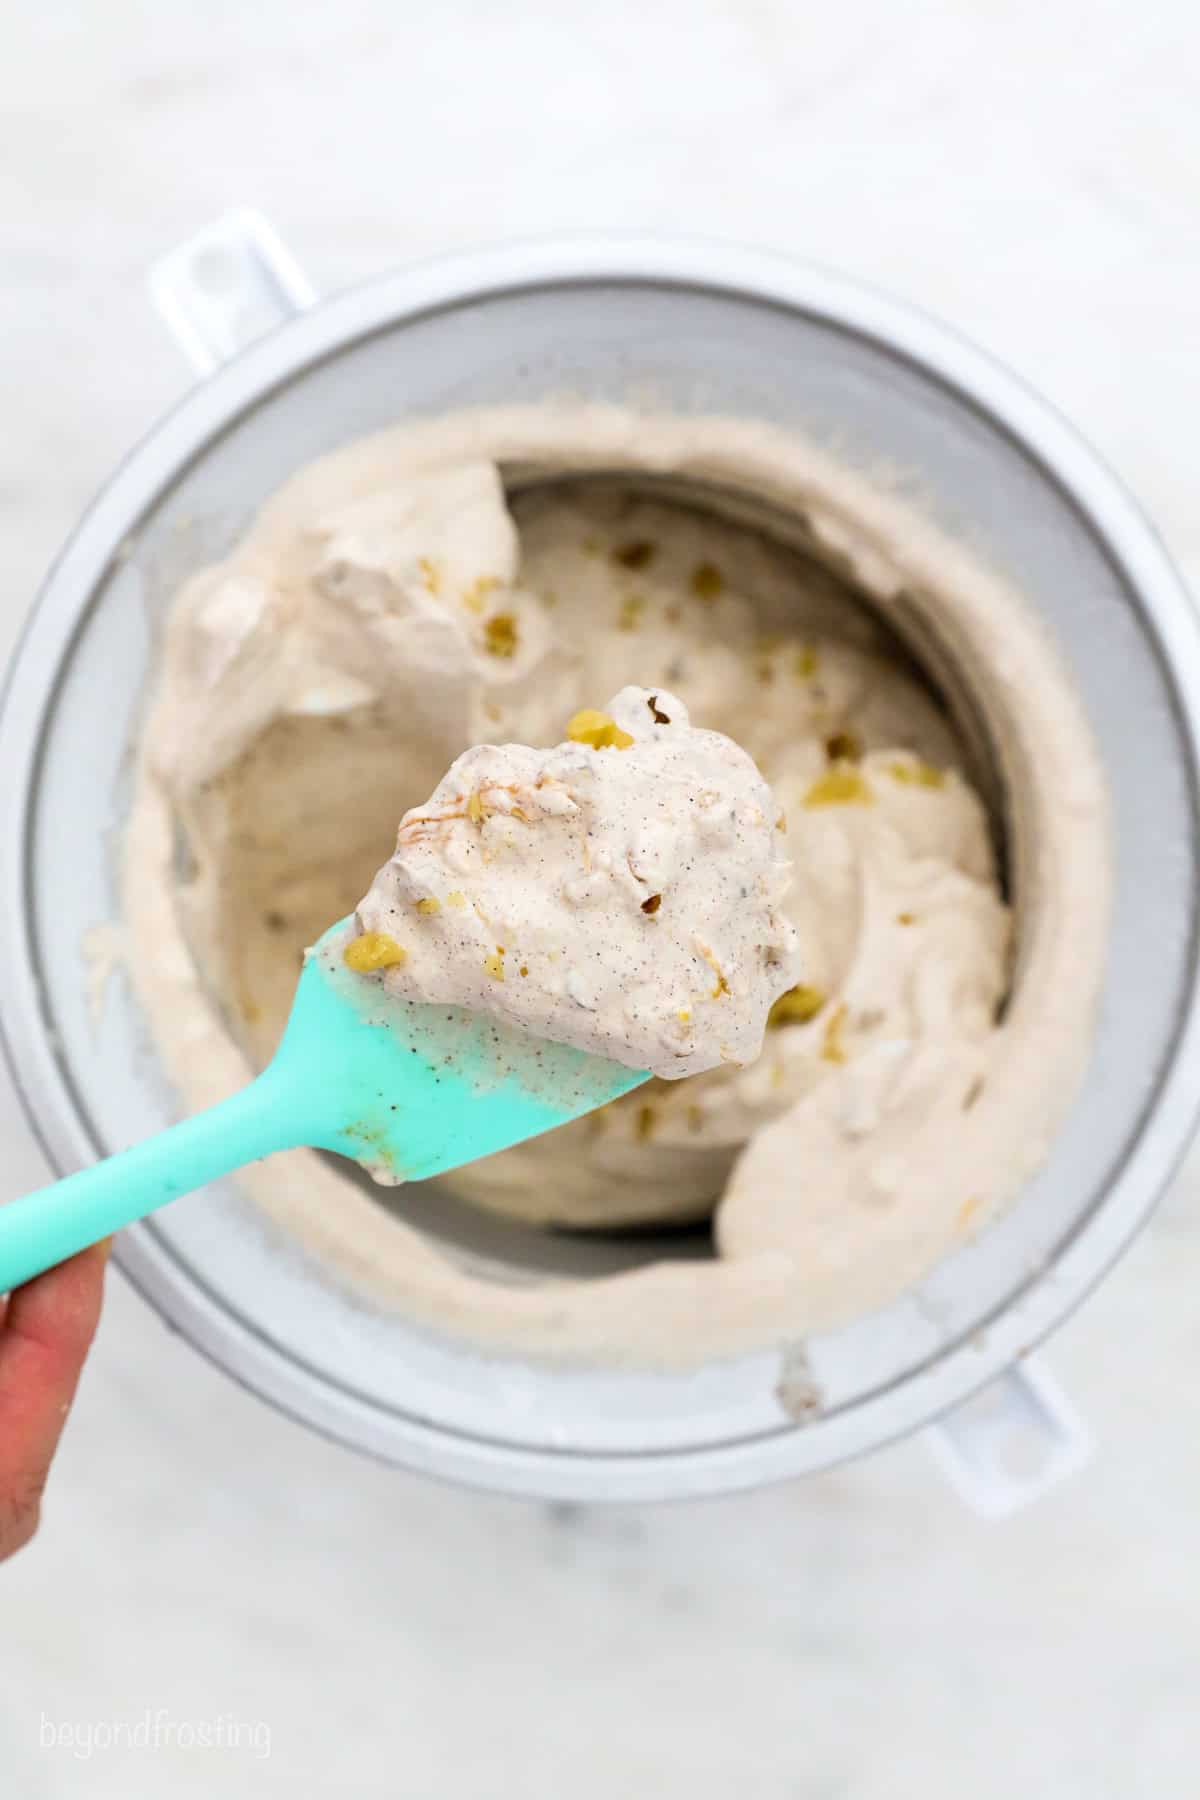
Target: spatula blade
x,y
412,1091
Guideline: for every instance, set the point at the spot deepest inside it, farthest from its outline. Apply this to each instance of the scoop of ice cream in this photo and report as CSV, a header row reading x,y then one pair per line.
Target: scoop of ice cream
x,y
620,892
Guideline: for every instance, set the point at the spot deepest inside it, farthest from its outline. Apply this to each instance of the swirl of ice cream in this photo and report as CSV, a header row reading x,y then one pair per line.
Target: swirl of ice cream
x,y
620,892
425,590
381,617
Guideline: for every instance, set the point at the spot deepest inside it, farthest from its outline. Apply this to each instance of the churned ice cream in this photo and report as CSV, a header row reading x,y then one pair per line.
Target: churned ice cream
x,y
482,581
620,892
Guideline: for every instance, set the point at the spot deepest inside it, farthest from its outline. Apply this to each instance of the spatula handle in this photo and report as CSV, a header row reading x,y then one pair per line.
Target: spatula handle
x,y
43,1228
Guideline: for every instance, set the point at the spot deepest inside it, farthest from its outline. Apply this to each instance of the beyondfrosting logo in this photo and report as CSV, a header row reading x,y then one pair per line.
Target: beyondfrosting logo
x,y
155,1731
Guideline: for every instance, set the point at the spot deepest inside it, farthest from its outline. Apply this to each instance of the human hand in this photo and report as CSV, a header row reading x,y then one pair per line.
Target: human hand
x,y
46,1330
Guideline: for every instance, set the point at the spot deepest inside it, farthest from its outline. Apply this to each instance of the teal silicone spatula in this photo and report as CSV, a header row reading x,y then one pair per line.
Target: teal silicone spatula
x,y
409,1091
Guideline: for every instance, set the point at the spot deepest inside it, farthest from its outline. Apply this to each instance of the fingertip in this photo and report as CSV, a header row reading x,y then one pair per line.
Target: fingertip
x,y
45,1333
60,1309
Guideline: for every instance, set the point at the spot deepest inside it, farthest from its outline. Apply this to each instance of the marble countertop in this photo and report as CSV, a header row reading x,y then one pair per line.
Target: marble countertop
x,y
1033,175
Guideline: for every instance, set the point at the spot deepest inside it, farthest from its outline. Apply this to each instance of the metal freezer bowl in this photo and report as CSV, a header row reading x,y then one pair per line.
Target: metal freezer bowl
x,y
699,328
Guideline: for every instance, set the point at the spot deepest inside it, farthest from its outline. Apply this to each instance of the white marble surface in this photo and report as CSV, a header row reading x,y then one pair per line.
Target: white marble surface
x,y
1032,173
